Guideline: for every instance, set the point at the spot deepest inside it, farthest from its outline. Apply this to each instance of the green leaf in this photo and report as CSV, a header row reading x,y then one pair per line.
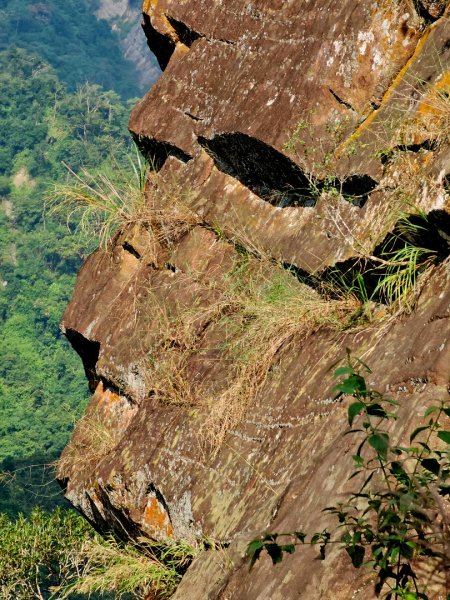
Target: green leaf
x,y
359,461
380,443
300,536
399,473
431,464
356,554
376,410
406,502
430,409
353,410
394,554
444,436
355,385
416,432
253,551
289,548
343,371
275,552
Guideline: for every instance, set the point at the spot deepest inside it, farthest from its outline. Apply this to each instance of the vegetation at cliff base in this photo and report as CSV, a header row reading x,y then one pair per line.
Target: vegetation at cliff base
x,y
58,555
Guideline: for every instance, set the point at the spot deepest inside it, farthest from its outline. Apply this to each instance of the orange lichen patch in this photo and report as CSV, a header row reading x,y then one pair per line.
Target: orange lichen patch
x,y
110,409
387,95
155,518
163,24
105,397
437,98
104,400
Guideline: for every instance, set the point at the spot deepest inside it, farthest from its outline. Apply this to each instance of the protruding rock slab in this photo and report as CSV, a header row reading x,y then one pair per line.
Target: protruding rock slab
x,y
302,130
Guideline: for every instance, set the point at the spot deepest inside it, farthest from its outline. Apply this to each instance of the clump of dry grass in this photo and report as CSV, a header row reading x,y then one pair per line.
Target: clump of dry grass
x,y
275,309
148,570
94,440
259,308
102,203
431,118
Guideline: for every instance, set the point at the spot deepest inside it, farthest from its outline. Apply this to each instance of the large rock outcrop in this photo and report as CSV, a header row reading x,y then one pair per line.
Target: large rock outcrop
x,y
304,131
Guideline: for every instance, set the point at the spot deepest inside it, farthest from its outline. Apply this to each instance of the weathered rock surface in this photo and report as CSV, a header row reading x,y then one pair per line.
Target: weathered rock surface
x,y
304,129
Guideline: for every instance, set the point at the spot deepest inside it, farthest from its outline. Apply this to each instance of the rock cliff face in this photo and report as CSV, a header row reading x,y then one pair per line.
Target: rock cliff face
x,y
306,132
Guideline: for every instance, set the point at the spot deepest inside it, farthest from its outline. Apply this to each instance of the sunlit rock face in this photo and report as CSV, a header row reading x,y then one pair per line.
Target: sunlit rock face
x,y
303,131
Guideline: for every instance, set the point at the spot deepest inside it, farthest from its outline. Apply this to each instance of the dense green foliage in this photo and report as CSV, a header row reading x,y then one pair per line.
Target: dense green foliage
x,y
66,34
42,389
57,555
37,553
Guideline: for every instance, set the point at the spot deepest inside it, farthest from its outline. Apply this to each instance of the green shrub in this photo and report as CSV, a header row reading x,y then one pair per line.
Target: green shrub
x,y
36,552
58,555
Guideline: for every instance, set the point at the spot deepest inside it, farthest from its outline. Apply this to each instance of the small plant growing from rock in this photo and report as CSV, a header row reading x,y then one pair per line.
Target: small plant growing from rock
x,y
397,521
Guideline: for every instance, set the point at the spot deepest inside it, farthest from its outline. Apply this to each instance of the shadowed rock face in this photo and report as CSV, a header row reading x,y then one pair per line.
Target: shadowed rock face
x,y
303,128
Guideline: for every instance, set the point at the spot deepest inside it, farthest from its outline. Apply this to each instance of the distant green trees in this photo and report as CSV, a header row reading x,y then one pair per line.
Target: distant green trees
x,y
42,385
68,36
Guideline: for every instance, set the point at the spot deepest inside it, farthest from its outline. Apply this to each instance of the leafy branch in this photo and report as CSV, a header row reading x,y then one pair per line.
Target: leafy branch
x,y
397,518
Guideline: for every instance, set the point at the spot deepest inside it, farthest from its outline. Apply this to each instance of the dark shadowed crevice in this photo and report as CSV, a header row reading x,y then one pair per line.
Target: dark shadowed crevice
x,y
427,145
63,483
340,100
431,233
185,35
437,235
356,189
193,117
265,171
170,267
129,248
115,521
89,352
156,152
428,11
276,178
109,385
160,45
163,46
153,490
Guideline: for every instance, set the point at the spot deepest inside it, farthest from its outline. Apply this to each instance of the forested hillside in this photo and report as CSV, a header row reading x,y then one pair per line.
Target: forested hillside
x,y
41,378
80,47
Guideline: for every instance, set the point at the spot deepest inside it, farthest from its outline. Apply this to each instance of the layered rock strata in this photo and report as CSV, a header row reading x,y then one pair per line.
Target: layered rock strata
x,y
304,132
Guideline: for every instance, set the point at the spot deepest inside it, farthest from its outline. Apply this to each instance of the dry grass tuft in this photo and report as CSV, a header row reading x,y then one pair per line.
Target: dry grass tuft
x,y
431,119
149,570
93,441
100,204
274,310
258,308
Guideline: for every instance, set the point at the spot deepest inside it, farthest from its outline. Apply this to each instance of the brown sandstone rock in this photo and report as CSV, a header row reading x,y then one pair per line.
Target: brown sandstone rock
x,y
266,112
